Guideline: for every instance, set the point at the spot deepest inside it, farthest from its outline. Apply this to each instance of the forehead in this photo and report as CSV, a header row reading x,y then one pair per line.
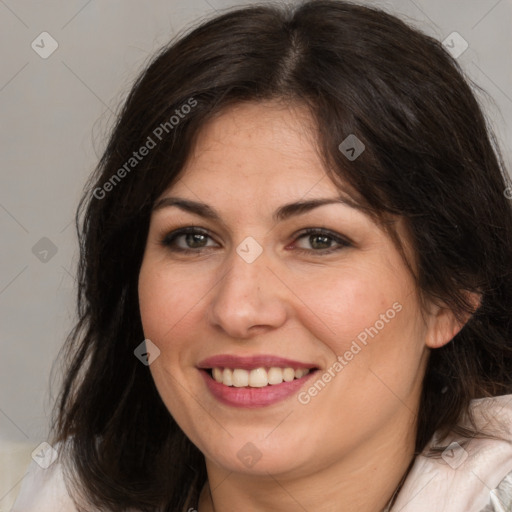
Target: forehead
x,y
259,148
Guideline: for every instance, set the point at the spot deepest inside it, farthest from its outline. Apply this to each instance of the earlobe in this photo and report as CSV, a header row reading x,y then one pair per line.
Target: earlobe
x,y
444,324
443,328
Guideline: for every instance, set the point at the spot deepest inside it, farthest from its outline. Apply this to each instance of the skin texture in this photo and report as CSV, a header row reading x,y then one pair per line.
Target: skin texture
x,y
305,306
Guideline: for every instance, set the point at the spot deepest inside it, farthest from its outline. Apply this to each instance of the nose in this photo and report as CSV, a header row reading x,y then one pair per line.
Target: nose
x,y
248,299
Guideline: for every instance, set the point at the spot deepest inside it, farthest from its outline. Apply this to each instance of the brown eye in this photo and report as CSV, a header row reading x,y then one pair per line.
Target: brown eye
x,y
187,240
195,240
322,241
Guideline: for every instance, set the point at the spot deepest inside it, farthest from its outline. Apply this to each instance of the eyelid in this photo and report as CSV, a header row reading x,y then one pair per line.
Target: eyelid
x,y
342,241
323,231
168,238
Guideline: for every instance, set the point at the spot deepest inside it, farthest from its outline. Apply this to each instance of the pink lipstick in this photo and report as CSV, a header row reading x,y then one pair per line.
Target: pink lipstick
x,y
254,381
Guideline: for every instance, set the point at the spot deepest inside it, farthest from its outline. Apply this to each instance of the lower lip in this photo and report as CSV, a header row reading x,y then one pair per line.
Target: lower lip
x,y
253,397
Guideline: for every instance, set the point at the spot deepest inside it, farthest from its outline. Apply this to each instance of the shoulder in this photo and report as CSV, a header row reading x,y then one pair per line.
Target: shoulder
x,y
473,478
43,488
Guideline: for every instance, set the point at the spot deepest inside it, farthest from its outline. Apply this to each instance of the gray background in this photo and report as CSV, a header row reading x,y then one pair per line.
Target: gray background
x,y
54,117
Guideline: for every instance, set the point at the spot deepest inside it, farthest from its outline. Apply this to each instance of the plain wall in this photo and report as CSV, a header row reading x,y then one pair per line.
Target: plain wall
x,y
55,114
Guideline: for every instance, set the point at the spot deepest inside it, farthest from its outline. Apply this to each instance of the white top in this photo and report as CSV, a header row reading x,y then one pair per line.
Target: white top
x,y
475,479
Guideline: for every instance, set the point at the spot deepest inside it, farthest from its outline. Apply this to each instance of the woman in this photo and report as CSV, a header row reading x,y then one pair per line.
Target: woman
x,y
295,282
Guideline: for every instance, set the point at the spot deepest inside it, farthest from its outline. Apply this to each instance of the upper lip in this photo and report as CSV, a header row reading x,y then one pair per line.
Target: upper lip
x,y
251,362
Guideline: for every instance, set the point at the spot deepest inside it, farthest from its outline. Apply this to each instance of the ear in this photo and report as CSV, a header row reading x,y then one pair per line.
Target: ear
x,y
443,324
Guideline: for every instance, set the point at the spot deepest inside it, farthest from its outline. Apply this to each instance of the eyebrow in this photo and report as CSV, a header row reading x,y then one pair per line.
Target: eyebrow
x,y
282,213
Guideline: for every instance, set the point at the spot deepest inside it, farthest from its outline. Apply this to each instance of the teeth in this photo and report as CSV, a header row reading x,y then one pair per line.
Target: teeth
x,y
258,377
275,376
288,374
240,378
301,372
227,377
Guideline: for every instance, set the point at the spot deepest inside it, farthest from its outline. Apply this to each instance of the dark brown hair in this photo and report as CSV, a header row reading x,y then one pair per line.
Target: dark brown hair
x,y
430,159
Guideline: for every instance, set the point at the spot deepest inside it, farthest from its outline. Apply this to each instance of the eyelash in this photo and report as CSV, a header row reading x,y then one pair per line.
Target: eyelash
x,y
168,240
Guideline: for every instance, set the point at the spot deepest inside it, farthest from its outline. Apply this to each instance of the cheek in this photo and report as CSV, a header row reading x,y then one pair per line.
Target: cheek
x,y
370,325
154,303
370,320
171,306
346,303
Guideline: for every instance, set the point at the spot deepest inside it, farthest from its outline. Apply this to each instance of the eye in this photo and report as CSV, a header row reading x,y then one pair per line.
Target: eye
x,y
196,240
322,241
189,239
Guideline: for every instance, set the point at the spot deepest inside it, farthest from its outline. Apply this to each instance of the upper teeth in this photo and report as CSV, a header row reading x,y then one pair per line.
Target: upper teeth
x,y
258,377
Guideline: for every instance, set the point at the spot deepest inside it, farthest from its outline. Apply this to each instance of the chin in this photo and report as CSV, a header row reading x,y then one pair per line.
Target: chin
x,y
259,457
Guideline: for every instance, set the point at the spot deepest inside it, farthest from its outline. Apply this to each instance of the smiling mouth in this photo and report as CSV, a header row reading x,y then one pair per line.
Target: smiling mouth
x,y
257,377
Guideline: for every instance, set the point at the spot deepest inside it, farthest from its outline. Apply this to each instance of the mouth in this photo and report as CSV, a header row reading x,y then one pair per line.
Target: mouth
x,y
257,377
255,388
254,381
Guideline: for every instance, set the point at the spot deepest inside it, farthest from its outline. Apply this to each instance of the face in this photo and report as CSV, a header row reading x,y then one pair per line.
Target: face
x,y
237,285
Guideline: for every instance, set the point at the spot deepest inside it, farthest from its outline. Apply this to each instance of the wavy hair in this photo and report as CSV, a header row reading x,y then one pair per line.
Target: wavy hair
x,y
431,158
